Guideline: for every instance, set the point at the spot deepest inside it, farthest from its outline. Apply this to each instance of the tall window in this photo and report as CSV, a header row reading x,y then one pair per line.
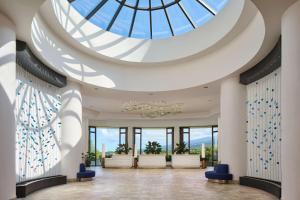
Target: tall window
x,y
92,142
123,136
170,141
111,137
137,139
185,136
195,137
215,132
164,136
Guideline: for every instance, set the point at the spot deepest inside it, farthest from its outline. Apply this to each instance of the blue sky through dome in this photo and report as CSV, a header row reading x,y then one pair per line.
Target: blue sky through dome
x,y
148,19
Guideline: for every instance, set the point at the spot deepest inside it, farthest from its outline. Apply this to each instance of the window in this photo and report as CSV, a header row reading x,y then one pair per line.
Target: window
x,y
137,139
170,141
164,136
111,137
148,19
123,136
185,136
92,142
215,145
195,137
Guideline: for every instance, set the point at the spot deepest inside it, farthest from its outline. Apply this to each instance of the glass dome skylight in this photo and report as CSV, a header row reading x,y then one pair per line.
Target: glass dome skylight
x,y
148,19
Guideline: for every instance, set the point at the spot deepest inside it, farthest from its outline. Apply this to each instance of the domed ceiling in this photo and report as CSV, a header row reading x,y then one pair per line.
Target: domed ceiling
x,y
148,19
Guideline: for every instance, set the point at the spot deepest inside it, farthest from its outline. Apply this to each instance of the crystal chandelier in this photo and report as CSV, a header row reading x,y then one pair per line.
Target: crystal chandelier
x,y
153,109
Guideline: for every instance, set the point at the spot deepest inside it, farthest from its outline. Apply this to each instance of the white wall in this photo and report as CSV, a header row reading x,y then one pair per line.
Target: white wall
x,y
7,102
290,103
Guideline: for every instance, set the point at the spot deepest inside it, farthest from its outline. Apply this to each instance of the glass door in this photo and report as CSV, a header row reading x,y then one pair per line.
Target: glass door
x,y
215,133
111,137
137,140
170,141
185,136
92,142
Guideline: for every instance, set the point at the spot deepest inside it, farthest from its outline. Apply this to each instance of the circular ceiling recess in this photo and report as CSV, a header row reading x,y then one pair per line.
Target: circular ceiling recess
x,y
148,19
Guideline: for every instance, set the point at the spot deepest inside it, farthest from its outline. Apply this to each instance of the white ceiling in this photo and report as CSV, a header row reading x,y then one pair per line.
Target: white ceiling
x,y
197,102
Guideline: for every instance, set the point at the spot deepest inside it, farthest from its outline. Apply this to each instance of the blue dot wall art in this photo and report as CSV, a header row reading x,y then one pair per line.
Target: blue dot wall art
x,y
263,127
37,128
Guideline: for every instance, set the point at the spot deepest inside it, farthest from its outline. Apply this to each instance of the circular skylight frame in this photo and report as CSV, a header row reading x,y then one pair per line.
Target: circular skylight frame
x,y
166,22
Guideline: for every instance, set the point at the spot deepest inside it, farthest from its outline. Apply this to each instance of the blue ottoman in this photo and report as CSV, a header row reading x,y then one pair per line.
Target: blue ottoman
x,y
83,173
220,173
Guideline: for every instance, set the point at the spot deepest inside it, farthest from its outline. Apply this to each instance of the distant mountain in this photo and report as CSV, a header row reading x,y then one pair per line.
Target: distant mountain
x,y
199,142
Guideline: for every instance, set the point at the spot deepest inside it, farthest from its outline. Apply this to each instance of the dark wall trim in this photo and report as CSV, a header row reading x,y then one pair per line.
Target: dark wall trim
x,y
25,188
269,186
27,60
269,64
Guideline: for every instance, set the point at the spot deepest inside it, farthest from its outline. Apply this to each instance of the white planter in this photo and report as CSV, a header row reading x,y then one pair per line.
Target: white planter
x,y
186,161
119,161
152,161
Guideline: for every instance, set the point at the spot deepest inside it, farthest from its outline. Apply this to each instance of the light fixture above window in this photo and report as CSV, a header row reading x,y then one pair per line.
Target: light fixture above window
x,y
153,109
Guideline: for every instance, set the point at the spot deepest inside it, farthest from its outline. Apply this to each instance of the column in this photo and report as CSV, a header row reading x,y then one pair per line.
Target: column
x,y
7,101
130,137
176,136
85,132
290,97
233,126
71,137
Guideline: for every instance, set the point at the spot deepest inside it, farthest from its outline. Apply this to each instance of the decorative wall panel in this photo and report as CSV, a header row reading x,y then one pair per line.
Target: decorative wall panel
x,y
264,128
37,128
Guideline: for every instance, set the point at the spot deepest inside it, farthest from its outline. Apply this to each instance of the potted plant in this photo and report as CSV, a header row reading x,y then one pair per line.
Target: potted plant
x,y
122,149
87,158
181,148
153,148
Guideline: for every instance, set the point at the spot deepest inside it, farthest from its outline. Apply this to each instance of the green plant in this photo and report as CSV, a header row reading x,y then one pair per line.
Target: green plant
x,y
181,148
153,148
88,157
122,148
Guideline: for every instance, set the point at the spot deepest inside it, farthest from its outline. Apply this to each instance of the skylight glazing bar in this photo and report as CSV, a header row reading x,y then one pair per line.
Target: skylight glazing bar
x,y
95,10
207,7
150,12
167,16
186,15
115,15
133,17
152,8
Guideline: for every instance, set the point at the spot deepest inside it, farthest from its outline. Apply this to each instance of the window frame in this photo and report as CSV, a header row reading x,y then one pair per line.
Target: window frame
x,y
213,131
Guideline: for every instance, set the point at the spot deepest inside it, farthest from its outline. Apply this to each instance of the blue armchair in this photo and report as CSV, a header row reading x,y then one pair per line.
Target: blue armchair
x,y
83,173
220,173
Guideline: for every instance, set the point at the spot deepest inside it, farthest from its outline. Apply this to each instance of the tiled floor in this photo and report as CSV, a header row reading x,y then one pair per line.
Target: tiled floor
x,y
131,184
